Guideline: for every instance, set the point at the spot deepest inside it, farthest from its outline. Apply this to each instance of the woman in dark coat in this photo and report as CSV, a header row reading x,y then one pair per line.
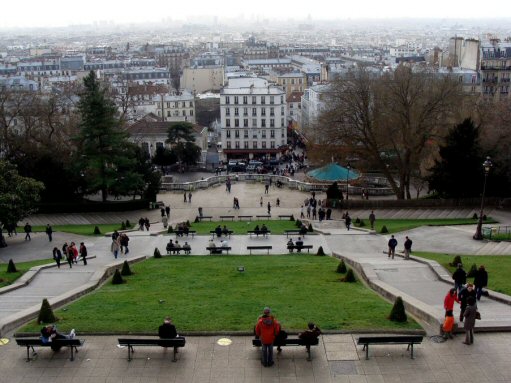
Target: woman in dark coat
x,y
470,320
480,281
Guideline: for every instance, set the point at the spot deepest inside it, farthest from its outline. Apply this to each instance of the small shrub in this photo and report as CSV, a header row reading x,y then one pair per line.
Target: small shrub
x,y
310,229
298,223
474,216
197,220
292,217
472,272
170,229
455,261
46,313
384,230
320,252
117,279
11,267
398,314
357,221
157,253
96,230
350,277
126,269
188,223
123,226
485,217
128,224
361,223
341,267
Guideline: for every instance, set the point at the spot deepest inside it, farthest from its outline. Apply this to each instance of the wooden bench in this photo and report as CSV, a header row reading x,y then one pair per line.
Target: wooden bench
x,y
410,340
263,233
267,216
174,343
29,343
181,233
204,217
285,216
299,248
242,217
250,248
293,232
292,342
231,217
219,248
177,250
213,233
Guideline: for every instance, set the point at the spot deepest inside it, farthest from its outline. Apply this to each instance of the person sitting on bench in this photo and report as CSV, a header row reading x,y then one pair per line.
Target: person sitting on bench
x,y
311,334
170,246
264,229
299,244
177,247
212,246
224,243
256,229
49,333
303,230
167,330
225,231
218,231
179,230
187,248
290,243
186,229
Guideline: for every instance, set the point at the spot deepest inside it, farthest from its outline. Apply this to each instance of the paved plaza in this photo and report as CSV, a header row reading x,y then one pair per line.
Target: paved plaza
x,y
336,359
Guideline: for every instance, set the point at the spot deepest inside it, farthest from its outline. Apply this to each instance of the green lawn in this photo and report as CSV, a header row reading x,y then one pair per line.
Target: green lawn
x,y
396,225
81,229
22,267
497,266
241,227
210,294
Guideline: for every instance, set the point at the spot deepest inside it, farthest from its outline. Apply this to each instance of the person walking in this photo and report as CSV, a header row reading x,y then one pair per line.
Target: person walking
x,y
470,316
459,277
261,201
408,247
83,253
301,212
480,281
57,256
267,328
372,219
167,211
269,208
115,248
392,246
278,202
465,293
190,197
28,229
123,242
49,232
162,212
184,197
347,221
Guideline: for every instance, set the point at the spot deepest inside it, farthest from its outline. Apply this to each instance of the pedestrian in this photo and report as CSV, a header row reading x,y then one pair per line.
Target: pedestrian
x,y
278,202
49,232
267,328
269,208
28,229
480,281
408,247
261,201
308,211
167,210
460,277
328,214
162,211
73,251
470,316
184,197
190,197
57,256
448,325
314,213
347,221
465,293
83,253
266,187
200,211
392,246
65,253
372,218
141,224
301,212
114,248
123,242
165,222
147,224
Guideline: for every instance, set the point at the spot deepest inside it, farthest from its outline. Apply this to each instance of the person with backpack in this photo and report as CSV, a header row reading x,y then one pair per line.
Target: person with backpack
x,y
408,247
392,246
267,329
57,256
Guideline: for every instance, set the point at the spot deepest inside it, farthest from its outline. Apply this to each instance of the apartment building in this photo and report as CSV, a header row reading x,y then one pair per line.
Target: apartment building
x,y
202,79
175,107
253,119
496,68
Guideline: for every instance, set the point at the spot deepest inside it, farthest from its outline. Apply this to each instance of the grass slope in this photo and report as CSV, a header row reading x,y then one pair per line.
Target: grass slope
x,y
241,227
209,294
397,225
497,266
81,229
22,267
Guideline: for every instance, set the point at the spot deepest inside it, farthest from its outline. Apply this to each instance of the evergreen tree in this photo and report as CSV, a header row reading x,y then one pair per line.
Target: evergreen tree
x,y
117,278
459,167
11,267
398,314
126,269
46,313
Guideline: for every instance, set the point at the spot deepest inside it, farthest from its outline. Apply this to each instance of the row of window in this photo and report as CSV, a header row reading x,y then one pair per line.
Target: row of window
x,y
253,99
263,123
246,145
176,113
292,82
254,133
236,111
175,104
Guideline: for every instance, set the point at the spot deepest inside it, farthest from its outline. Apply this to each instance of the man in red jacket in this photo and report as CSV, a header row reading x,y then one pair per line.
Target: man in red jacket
x,y
266,330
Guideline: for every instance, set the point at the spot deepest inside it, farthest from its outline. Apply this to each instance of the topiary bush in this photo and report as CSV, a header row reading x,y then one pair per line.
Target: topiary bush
x,y
125,271
320,252
128,223
349,277
361,223
357,220
310,229
123,226
188,223
292,218
11,267
398,314
46,313
456,261
117,279
96,230
474,216
485,217
170,229
472,272
298,223
157,253
197,220
341,267
384,230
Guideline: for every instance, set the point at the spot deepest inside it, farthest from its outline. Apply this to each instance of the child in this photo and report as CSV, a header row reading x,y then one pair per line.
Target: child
x,y
448,324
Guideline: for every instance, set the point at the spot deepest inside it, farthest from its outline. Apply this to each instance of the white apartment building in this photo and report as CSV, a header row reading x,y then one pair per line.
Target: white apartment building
x,y
175,107
253,119
313,103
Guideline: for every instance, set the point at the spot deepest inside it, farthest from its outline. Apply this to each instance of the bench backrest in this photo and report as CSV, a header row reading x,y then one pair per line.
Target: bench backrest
x,y
390,339
39,342
290,342
258,247
174,342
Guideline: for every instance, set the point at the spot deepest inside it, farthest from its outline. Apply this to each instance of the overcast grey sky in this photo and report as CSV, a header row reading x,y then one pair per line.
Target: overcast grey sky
x,y
64,12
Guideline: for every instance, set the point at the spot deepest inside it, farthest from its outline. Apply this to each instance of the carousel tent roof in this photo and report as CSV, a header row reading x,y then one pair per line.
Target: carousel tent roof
x,y
333,172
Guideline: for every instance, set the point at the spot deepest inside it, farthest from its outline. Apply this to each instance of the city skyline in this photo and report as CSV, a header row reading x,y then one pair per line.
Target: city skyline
x,y
56,13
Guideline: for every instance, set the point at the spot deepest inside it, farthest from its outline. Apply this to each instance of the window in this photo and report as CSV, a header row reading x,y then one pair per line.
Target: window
x,y
283,81
235,100
227,100
245,133
291,105
292,81
236,133
184,112
227,111
176,104
272,111
183,104
254,100
245,123
300,81
254,111
281,99
281,110
236,122
282,133
291,113
228,144
254,122
227,123
263,112
245,111
263,100
237,144
254,145
263,123
263,134
245,100
272,100
272,144
168,113
272,133
191,104
272,123
228,133
168,104
245,145
236,111
263,144
191,112
282,122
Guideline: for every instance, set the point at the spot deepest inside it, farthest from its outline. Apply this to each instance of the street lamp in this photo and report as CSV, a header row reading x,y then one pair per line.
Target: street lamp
x,y
486,167
348,166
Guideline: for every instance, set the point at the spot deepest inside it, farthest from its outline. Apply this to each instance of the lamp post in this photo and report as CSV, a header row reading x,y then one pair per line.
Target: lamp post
x,y
486,167
348,166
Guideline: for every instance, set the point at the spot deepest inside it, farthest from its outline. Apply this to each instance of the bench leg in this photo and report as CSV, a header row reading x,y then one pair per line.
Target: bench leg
x,y
28,353
411,350
175,352
73,348
309,358
130,350
367,351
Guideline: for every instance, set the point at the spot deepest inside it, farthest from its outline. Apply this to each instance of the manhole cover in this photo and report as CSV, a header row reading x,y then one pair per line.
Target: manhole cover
x,y
343,368
4,341
224,342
